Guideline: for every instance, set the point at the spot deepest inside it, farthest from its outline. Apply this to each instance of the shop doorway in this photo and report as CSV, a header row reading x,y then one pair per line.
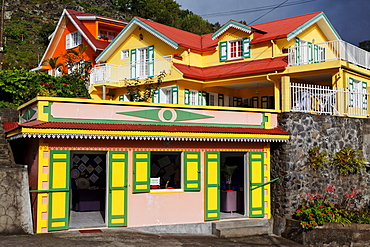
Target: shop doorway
x,y
234,185
88,183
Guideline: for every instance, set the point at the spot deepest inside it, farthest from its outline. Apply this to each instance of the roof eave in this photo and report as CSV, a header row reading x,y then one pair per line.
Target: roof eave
x,y
230,24
332,32
108,51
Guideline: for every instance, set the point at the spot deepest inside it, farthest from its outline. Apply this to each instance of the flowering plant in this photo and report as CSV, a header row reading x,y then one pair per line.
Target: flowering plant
x,y
317,210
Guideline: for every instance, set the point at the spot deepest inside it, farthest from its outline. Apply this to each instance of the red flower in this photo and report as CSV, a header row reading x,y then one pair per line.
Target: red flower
x,y
46,84
312,219
41,83
314,223
329,213
298,210
321,206
322,214
65,84
51,86
310,213
308,225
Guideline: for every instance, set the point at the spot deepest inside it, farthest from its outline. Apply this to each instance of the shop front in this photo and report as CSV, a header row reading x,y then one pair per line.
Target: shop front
x,y
122,164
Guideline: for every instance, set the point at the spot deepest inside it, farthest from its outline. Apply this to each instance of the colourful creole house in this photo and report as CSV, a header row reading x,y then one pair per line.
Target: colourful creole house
x,y
75,28
142,164
295,64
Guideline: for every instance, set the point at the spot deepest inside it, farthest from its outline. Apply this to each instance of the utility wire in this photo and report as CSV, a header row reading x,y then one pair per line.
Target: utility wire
x,y
268,12
256,9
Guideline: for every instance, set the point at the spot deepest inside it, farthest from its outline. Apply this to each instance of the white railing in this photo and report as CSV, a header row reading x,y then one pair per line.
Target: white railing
x,y
332,50
117,74
325,100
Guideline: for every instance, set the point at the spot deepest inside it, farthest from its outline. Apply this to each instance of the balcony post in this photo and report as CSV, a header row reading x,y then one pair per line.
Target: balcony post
x,y
104,89
285,93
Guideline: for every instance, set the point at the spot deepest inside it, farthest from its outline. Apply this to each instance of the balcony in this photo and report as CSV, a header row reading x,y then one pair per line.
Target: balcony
x,y
333,50
330,101
117,74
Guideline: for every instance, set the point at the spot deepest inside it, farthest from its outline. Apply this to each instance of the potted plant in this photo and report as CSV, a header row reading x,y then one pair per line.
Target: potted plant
x,y
228,172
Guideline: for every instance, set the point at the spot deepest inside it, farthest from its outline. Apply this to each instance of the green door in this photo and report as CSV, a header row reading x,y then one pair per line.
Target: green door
x,y
256,178
117,204
59,190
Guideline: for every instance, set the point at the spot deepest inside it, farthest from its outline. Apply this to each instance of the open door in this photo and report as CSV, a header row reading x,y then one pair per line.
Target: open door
x,y
117,204
59,190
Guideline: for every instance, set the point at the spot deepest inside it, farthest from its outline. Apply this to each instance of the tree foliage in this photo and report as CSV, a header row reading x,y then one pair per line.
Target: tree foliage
x,y
365,45
167,12
19,86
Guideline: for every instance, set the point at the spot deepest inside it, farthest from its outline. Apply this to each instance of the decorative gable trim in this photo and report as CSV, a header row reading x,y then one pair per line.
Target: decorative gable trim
x,y
229,25
314,20
124,34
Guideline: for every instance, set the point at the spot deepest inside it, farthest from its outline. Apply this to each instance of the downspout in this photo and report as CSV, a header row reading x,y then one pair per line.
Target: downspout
x,y
277,90
273,48
189,57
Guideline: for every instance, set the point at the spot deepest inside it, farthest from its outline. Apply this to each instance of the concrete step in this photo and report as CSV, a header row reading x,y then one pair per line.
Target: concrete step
x,y
242,228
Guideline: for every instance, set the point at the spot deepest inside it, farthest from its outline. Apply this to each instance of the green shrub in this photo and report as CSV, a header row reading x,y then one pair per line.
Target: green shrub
x,y
348,160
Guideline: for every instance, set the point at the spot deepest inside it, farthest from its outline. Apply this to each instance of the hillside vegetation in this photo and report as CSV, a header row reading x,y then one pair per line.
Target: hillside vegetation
x,y
28,23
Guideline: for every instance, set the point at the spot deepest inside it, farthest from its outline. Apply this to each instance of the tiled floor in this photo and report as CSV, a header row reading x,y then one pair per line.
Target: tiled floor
x,y
86,219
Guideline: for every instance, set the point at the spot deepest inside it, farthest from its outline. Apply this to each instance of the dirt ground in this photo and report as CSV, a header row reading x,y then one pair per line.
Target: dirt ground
x,y
119,237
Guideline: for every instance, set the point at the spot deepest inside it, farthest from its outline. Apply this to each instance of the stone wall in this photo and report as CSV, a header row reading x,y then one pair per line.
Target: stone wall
x,y
15,204
289,160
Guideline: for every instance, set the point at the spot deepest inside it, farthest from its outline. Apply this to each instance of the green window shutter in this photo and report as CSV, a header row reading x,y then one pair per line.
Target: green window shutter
x,y
364,95
220,100
316,53
121,97
187,97
246,47
133,63
191,171
151,61
310,52
155,95
223,51
212,185
58,213
298,54
351,95
175,97
141,171
256,177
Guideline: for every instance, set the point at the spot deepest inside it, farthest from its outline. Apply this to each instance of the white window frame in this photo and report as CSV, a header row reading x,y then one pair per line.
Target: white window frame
x,y
73,40
239,49
358,96
182,178
125,54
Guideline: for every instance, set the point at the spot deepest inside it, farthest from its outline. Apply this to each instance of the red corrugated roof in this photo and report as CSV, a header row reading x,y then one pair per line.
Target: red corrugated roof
x,y
233,69
9,126
151,128
273,30
280,28
183,38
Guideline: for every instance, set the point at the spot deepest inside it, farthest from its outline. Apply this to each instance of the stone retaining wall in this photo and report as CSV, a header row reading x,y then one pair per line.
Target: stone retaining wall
x,y
15,204
328,235
289,160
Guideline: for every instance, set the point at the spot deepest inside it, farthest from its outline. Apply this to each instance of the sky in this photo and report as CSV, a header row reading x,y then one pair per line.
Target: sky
x,y
350,18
